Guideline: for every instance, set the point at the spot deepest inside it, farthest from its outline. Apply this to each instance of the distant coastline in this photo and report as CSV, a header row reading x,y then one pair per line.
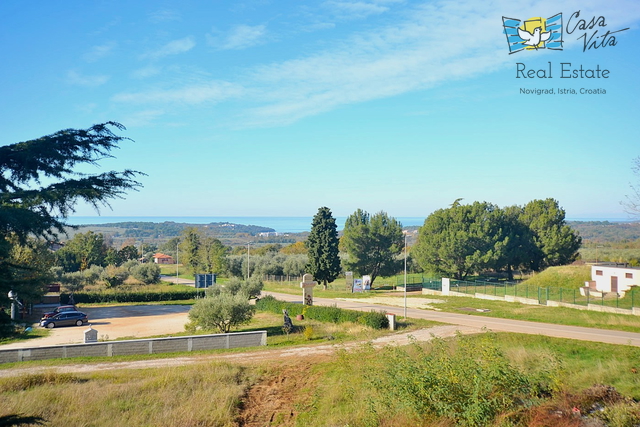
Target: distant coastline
x,y
281,224
278,223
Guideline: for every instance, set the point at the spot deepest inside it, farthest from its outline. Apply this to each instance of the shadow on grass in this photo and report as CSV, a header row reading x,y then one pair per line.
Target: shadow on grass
x,y
20,420
271,330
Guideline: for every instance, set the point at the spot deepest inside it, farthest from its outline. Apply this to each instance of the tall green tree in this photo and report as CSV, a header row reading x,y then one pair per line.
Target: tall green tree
x,y
170,246
213,255
190,250
557,242
373,244
322,247
516,246
28,263
128,252
459,240
86,249
40,186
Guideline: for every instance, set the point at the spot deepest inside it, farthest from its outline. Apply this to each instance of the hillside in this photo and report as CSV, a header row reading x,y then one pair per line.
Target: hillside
x,y
605,231
566,276
158,233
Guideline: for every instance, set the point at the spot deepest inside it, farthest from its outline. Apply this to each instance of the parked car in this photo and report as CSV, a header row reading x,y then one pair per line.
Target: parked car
x,y
67,318
59,309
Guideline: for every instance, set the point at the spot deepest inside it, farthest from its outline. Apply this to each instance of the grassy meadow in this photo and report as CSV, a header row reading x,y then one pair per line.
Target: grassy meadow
x,y
347,388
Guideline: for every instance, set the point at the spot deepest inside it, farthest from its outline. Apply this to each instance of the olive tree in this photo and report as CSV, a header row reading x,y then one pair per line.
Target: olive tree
x,y
222,312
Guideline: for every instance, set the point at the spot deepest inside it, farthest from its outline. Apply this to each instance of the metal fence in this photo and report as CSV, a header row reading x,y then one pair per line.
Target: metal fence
x,y
627,300
413,279
274,278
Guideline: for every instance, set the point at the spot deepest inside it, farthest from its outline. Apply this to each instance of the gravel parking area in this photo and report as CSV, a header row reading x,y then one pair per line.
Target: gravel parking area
x,y
139,321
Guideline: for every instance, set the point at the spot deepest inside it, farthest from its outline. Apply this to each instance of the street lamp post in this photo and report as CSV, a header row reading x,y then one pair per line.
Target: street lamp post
x,y
13,296
177,260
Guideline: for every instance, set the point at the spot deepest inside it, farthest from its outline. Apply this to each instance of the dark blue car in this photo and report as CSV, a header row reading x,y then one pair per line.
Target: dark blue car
x,y
67,318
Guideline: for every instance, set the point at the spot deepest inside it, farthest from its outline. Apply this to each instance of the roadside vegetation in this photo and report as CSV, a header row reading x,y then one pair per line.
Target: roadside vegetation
x,y
486,308
553,376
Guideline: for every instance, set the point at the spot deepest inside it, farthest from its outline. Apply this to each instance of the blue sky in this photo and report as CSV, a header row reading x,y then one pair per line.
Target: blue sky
x,y
275,108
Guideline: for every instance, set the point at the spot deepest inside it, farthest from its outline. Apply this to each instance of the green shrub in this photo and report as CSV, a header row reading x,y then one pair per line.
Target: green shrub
x,y
333,314
146,273
114,276
621,414
124,296
375,320
468,381
251,288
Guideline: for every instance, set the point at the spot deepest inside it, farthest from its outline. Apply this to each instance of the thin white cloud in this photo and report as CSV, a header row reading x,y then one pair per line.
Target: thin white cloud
x,y
240,37
174,47
424,46
318,26
146,72
77,79
164,15
98,52
143,118
354,9
193,94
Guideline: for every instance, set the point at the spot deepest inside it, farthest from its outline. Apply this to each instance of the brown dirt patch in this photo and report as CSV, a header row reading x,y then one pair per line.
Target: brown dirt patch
x,y
273,399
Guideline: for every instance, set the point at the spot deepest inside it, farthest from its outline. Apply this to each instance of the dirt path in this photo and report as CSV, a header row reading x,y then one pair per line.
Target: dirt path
x,y
249,356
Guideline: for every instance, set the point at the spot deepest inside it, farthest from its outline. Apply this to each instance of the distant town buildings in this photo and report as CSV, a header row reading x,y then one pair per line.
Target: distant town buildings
x,y
160,258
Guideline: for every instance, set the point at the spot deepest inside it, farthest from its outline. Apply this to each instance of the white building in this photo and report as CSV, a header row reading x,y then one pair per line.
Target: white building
x,y
613,278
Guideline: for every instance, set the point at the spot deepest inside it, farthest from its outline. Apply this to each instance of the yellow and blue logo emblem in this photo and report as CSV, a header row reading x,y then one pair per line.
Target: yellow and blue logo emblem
x,y
533,33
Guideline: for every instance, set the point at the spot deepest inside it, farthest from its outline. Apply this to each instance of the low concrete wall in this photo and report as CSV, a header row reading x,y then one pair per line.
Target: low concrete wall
x,y
605,309
489,297
521,300
146,346
509,298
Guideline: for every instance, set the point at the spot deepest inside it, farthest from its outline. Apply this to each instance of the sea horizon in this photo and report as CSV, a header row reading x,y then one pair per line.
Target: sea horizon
x,y
281,224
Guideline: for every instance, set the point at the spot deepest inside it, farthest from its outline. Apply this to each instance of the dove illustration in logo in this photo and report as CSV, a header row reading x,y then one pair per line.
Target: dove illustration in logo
x,y
533,33
533,39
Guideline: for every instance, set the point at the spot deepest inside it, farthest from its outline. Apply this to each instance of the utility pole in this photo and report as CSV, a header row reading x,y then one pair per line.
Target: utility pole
x,y
248,271
405,275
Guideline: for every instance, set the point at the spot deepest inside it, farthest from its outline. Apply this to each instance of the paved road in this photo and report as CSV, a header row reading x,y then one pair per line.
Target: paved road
x,y
494,324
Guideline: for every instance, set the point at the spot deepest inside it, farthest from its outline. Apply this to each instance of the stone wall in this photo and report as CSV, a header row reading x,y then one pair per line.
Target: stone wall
x,y
145,346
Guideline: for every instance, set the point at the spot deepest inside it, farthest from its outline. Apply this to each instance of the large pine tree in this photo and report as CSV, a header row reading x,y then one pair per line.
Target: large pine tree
x,y
373,244
322,244
39,187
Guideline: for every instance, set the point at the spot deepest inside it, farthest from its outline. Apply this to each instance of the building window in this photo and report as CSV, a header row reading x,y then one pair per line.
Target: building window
x,y
628,275
598,272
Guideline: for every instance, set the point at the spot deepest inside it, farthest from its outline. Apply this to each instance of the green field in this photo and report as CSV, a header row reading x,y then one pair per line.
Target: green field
x,y
339,389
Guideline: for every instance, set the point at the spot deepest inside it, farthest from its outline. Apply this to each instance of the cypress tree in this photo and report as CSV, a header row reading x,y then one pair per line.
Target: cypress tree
x,y
322,244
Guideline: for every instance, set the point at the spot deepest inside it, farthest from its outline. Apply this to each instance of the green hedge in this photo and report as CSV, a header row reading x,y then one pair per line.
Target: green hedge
x,y
373,319
115,296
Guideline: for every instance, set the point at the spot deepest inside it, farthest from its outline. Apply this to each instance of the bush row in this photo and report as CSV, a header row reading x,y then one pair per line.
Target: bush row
x,y
373,319
98,297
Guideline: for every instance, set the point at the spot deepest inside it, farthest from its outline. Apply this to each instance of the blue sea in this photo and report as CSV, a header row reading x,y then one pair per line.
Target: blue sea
x,y
281,224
